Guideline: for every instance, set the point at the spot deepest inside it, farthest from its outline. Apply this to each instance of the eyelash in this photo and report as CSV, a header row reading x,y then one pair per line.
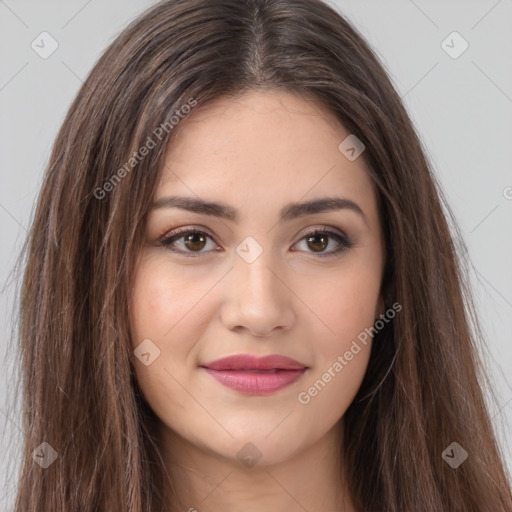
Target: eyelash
x,y
344,242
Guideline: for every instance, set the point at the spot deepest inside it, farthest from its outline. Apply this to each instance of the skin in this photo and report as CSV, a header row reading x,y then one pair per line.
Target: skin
x,y
257,153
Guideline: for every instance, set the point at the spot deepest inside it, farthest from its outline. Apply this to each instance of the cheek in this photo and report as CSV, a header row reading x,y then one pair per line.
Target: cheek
x,y
345,304
162,301
346,309
160,304
341,352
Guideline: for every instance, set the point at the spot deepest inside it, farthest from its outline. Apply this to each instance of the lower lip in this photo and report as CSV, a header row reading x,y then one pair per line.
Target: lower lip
x,y
252,382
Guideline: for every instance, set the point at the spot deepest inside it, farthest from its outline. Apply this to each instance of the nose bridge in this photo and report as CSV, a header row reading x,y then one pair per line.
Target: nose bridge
x,y
257,298
256,278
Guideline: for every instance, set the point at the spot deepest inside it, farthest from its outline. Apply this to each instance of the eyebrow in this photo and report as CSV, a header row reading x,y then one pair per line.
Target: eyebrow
x,y
288,212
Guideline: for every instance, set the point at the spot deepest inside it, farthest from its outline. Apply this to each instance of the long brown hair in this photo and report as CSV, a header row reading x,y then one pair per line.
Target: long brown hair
x,y
423,387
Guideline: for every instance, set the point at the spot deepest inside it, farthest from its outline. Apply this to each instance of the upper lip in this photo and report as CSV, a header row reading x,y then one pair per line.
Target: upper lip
x,y
250,362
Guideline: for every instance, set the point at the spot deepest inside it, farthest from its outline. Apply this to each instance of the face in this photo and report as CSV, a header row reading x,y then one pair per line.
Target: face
x,y
254,279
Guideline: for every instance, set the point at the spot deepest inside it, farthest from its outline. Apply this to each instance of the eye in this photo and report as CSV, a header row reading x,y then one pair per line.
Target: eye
x,y
318,241
194,241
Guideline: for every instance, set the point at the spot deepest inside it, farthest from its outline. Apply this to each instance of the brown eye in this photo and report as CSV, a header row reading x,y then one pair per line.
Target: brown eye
x,y
318,241
192,241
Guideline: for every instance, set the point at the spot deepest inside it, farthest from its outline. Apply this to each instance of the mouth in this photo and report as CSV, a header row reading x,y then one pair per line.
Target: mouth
x,y
255,375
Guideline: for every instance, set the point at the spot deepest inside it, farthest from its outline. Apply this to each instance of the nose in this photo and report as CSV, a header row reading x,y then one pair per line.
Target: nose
x,y
258,298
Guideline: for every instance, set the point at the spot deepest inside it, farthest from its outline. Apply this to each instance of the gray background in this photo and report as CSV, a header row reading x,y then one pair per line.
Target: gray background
x,y
461,107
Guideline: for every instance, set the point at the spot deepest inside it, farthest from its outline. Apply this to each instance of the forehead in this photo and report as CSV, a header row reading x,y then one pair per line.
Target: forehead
x,y
263,149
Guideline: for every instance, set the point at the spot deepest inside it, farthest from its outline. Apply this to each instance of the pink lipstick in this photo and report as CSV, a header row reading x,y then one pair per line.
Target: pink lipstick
x,y
255,375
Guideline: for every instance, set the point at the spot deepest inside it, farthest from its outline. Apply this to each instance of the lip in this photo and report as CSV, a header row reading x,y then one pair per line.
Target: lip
x,y
255,375
250,362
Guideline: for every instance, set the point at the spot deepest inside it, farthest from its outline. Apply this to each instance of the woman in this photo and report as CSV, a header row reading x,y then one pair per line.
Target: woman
x,y
241,291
